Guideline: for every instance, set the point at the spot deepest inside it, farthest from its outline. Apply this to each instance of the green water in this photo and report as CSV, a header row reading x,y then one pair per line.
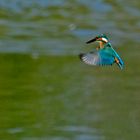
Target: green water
x,y
46,92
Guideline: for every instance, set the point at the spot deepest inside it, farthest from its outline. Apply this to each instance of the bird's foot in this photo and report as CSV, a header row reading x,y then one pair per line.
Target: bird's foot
x,y
116,60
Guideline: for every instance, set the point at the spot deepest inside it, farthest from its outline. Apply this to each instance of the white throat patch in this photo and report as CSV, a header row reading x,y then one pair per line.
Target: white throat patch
x,y
104,39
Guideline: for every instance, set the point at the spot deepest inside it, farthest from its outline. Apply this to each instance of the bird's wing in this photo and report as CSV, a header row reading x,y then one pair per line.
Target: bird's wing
x,y
101,57
119,61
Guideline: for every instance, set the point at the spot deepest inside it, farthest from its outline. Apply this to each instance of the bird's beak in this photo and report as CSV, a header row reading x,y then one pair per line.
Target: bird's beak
x,y
92,40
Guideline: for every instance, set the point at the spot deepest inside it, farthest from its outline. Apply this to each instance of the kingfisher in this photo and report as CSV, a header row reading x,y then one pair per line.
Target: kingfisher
x,y
103,55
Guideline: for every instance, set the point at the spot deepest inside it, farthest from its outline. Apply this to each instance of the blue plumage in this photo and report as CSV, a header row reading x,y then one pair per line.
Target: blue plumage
x,y
105,55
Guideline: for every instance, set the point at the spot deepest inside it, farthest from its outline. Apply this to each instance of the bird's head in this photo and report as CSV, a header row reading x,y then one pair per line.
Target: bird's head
x,y
100,38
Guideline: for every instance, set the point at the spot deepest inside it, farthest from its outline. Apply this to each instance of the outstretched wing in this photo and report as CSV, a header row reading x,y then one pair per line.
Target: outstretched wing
x,y
101,57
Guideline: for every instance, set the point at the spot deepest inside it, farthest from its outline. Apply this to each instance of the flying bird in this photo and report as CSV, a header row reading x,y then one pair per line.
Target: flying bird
x,y
103,55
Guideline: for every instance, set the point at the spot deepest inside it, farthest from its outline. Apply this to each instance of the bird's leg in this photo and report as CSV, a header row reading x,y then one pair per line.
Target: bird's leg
x,y
116,60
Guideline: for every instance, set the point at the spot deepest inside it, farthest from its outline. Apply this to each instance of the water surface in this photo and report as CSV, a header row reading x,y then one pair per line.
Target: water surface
x,y
46,93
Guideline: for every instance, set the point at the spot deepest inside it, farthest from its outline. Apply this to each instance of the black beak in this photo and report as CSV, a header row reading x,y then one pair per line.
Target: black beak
x,y
92,40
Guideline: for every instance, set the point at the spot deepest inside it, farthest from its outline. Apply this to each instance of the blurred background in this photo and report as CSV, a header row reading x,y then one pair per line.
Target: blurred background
x,y
46,92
